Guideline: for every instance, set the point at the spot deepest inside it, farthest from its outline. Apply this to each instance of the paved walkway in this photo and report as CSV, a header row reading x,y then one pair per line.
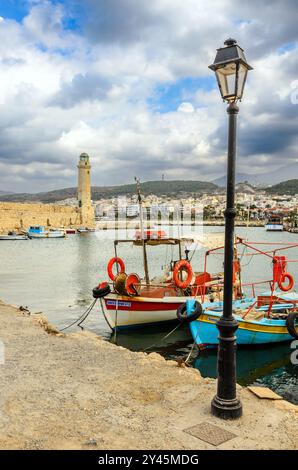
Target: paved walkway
x,y
80,392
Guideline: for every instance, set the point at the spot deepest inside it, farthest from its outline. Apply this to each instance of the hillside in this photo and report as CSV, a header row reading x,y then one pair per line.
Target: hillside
x,y
283,173
239,178
98,192
286,187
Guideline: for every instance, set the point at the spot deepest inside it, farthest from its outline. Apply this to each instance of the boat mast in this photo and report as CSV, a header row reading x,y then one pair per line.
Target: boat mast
x,y
142,230
248,216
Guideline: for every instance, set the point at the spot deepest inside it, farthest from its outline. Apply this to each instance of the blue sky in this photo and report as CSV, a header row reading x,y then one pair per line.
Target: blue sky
x,y
18,9
14,9
168,96
128,82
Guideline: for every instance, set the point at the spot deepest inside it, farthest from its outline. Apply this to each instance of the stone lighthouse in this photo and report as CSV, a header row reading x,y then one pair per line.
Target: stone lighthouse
x,y
84,191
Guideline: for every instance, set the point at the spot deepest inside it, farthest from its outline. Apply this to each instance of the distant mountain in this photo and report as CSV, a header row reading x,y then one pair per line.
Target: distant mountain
x,y
99,192
269,178
6,192
286,187
245,188
239,178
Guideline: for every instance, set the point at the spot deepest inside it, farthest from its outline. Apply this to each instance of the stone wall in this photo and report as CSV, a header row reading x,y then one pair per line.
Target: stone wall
x,y
18,216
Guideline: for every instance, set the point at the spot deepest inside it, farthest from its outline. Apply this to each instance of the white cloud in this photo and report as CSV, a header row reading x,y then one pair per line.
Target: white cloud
x,y
186,108
63,92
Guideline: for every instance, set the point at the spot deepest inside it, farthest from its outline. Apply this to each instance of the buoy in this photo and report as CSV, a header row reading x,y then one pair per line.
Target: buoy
x,y
182,265
111,263
289,286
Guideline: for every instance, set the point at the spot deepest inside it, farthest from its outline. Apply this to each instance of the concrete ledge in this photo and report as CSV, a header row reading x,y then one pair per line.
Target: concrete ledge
x,y
79,391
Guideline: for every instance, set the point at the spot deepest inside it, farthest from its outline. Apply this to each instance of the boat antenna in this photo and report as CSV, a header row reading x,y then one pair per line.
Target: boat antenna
x,y
138,182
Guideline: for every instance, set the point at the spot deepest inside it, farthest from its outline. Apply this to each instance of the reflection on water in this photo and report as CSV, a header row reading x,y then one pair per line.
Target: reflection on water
x,y
57,277
266,365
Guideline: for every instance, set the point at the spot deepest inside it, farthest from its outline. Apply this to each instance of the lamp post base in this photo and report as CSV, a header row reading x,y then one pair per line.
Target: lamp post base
x,y
226,409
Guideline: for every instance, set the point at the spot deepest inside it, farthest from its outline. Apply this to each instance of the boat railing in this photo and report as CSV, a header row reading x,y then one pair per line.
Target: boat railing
x,y
254,284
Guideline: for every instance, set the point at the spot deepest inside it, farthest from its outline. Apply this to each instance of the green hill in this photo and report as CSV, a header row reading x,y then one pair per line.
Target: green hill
x,y
286,187
168,188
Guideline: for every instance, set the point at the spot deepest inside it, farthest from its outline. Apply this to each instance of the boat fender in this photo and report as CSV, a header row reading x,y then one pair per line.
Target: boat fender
x,y
287,287
292,324
111,263
183,265
185,317
101,290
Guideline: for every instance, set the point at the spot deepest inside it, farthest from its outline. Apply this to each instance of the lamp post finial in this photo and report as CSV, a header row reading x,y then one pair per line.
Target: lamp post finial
x,y
230,42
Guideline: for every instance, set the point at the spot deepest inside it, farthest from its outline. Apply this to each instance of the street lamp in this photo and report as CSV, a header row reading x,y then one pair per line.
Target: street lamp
x,y
231,69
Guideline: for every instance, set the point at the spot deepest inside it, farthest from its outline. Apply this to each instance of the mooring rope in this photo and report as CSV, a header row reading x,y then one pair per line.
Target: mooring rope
x,y
83,317
116,322
192,348
164,337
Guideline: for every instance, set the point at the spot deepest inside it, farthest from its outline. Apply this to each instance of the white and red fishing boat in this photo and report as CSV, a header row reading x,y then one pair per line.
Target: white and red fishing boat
x,y
152,234
129,302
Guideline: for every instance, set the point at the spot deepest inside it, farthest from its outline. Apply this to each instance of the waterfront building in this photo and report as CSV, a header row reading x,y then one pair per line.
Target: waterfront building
x,y
84,191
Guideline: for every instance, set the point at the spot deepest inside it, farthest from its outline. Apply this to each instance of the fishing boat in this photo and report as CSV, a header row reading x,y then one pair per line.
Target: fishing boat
x,y
128,301
271,318
132,301
274,224
257,327
150,233
14,236
85,230
39,231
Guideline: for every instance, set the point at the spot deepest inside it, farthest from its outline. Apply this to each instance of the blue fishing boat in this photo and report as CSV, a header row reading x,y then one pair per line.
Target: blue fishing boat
x,y
255,326
272,317
39,231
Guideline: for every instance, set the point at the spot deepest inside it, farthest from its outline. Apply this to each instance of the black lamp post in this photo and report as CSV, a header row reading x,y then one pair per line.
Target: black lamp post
x,y
231,69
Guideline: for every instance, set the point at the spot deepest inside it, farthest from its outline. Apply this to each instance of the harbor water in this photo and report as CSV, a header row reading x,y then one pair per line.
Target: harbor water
x,y
57,276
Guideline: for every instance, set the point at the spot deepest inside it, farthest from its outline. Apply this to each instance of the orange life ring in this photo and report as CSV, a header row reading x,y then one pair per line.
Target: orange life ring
x,y
184,265
111,263
283,277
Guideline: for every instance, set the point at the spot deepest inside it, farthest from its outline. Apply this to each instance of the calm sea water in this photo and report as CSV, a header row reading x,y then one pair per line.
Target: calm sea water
x,y
57,277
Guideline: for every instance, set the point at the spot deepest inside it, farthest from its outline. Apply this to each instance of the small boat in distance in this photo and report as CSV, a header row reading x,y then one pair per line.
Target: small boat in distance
x,y
274,224
14,236
150,234
85,230
39,231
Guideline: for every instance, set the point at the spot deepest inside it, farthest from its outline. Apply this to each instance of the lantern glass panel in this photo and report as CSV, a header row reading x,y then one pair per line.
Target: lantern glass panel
x,y
242,73
226,77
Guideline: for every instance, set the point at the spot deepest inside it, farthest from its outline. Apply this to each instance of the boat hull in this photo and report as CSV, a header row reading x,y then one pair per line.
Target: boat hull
x,y
265,331
137,312
127,312
274,228
46,235
13,237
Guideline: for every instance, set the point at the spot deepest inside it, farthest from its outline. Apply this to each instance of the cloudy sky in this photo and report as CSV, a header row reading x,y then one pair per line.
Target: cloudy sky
x,y
128,82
